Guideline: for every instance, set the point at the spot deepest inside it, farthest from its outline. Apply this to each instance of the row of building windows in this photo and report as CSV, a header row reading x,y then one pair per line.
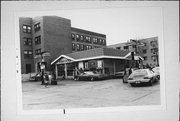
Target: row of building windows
x,y
28,41
154,58
27,28
29,53
144,51
80,47
87,39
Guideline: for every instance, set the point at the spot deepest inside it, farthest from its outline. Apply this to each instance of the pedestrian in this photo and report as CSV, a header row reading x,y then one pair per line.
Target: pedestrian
x,y
42,77
130,71
46,79
125,76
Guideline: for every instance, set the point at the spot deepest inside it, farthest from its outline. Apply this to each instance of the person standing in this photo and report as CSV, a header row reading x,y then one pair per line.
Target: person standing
x,y
125,77
42,77
130,71
46,79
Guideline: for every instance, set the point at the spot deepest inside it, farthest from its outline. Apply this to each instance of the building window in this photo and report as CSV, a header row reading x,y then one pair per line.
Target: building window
x,y
38,51
37,40
100,41
26,29
78,47
134,46
103,42
77,37
73,36
144,44
144,51
37,27
73,46
145,57
82,47
28,53
154,50
86,65
153,58
82,38
119,48
27,41
153,43
89,47
126,47
96,47
95,41
88,39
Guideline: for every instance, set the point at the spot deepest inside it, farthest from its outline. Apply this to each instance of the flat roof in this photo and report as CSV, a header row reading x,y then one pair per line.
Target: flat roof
x,y
87,32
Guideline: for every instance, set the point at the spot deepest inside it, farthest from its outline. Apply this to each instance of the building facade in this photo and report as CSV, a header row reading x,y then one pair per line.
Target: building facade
x,y
54,35
146,48
105,61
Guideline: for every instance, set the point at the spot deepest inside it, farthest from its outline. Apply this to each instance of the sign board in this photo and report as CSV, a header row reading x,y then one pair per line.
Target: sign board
x,y
63,61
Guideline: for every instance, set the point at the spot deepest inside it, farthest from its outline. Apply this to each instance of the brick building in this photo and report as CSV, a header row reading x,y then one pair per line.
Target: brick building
x,y
148,49
54,35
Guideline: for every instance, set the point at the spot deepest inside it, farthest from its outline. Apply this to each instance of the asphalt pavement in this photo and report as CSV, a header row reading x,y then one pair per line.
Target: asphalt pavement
x,y
87,94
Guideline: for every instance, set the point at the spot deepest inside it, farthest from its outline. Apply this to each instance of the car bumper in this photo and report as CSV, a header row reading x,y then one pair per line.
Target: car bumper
x,y
88,78
138,81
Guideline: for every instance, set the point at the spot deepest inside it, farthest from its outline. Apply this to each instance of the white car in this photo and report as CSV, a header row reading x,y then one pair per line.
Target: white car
x,y
157,71
142,76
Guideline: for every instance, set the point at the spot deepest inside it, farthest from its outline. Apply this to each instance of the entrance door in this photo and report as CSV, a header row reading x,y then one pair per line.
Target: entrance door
x,y
28,68
60,68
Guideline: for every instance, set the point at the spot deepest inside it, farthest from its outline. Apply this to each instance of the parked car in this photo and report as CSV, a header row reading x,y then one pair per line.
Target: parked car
x,y
119,74
89,75
37,77
142,76
157,71
125,76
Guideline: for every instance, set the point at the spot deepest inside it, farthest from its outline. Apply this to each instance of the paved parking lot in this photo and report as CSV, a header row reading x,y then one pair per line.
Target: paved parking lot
x,y
80,94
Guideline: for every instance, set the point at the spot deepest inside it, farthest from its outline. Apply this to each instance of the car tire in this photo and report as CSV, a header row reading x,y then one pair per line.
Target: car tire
x,y
133,85
150,83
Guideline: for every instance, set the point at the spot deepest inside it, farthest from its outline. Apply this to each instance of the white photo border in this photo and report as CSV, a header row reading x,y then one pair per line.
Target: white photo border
x,y
20,110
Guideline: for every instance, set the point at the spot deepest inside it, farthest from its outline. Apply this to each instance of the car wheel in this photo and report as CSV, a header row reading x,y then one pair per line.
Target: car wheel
x,y
150,83
132,84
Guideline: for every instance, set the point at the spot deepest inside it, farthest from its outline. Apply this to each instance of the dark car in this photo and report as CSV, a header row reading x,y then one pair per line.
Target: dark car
x,y
37,77
89,75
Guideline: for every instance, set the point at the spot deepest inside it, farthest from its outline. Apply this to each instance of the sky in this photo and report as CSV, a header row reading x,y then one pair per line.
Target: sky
x,y
118,24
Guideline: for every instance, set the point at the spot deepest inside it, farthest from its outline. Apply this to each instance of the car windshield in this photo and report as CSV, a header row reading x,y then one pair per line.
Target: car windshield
x,y
89,72
140,72
156,69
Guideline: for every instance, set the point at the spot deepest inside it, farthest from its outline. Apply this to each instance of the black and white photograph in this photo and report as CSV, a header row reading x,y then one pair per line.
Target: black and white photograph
x,y
104,60
91,58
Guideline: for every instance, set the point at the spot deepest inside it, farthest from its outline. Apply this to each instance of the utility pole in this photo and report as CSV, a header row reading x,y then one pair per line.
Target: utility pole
x,y
42,62
136,44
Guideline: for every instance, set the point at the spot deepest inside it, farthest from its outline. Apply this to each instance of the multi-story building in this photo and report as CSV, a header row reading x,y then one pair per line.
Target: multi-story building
x,y
54,35
147,48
